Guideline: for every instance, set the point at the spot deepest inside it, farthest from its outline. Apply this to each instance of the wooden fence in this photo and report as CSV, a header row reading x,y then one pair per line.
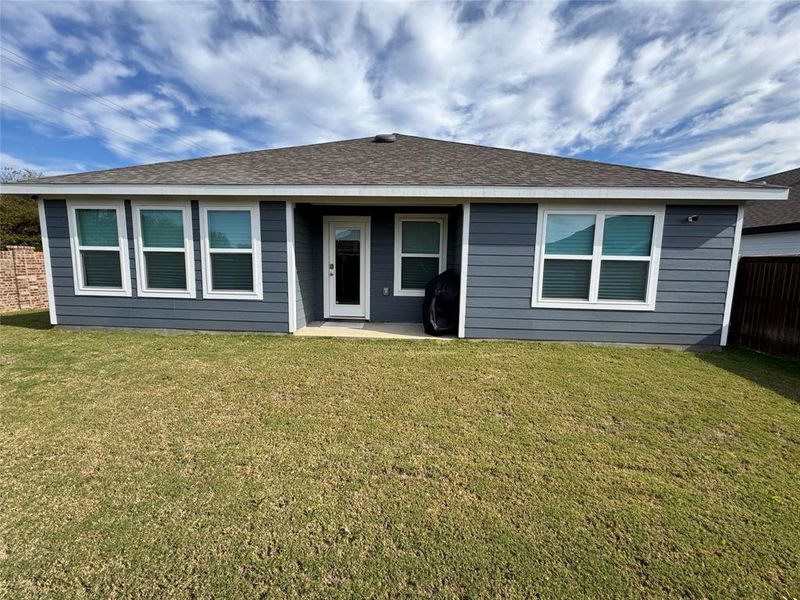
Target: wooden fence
x,y
766,305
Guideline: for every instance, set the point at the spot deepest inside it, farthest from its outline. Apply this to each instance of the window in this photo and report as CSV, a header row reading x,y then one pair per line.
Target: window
x,y
164,250
420,252
99,248
598,259
231,240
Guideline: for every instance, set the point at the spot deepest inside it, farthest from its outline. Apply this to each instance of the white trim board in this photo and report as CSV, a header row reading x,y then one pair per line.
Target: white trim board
x,y
291,267
48,267
419,191
462,297
737,240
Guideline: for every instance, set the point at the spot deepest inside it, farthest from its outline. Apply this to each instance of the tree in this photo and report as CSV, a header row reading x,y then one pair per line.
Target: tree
x,y
19,215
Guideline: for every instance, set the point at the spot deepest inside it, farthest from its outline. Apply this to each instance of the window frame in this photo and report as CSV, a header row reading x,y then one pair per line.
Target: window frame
x,y
254,208
401,218
81,289
597,257
188,249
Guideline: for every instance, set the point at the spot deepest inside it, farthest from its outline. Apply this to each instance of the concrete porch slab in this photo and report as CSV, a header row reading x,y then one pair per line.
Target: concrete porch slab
x,y
360,329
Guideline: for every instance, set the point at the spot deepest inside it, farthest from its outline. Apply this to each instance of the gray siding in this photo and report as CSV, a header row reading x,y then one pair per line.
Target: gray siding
x,y
693,276
308,259
267,315
456,229
390,308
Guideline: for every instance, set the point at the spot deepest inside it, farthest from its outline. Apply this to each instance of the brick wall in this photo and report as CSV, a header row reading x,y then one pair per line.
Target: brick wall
x,y
23,283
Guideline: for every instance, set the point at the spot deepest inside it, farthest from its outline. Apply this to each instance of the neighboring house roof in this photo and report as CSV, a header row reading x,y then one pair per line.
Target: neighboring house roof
x,y
408,161
776,216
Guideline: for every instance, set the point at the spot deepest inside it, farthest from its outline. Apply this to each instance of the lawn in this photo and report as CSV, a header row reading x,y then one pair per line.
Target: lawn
x,y
135,464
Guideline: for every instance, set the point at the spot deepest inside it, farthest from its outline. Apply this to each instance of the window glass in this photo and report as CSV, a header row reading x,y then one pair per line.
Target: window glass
x,y
101,268
623,280
165,270
421,237
97,227
416,272
567,279
348,235
231,251
232,272
618,273
570,234
162,228
419,256
628,235
229,229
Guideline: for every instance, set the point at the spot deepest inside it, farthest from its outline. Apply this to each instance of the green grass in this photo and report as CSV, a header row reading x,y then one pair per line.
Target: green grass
x,y
223,465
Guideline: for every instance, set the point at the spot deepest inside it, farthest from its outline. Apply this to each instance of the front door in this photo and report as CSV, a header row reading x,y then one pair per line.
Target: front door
x,y
346,267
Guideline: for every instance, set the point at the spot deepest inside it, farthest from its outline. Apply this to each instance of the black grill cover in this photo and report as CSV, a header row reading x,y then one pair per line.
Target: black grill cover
x,y
440,308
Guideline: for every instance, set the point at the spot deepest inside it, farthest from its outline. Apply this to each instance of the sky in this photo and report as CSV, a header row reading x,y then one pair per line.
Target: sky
x,y
699,87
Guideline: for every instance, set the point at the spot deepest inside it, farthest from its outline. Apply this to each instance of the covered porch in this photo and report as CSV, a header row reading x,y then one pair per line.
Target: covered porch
x,y
361,269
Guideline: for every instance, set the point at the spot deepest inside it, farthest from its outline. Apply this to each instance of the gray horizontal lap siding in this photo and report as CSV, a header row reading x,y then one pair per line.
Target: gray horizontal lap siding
x,y
456,237
391,308
267,315
692,282
308,261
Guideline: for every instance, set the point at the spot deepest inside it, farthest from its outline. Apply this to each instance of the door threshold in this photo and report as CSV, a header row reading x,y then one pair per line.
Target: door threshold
x,y
344,324
345,320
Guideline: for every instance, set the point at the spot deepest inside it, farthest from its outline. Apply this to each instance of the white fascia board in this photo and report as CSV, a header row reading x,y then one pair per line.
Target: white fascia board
x,y
375,191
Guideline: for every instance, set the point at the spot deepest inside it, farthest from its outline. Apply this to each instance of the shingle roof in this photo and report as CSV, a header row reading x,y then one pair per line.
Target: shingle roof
x,y
771,214
409,161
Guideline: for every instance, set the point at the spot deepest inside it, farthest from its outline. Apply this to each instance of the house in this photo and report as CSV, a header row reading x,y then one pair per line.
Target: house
x,y
547,248
773,228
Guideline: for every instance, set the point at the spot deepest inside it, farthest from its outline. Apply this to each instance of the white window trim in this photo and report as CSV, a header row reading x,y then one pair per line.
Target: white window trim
x,y
75,247
401,218
255,250
594,303
188,249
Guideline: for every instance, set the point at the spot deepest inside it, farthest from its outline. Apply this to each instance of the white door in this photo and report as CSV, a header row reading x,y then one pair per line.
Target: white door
x,y
346,267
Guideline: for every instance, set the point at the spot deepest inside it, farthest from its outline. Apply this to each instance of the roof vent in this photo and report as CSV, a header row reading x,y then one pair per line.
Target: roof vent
x,y
385,138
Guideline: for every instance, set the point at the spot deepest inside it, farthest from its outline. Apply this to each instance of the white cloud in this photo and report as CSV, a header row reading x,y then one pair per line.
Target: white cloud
x,y
214,140
767,148
47,167
677,85
172,92
104,74
9,161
